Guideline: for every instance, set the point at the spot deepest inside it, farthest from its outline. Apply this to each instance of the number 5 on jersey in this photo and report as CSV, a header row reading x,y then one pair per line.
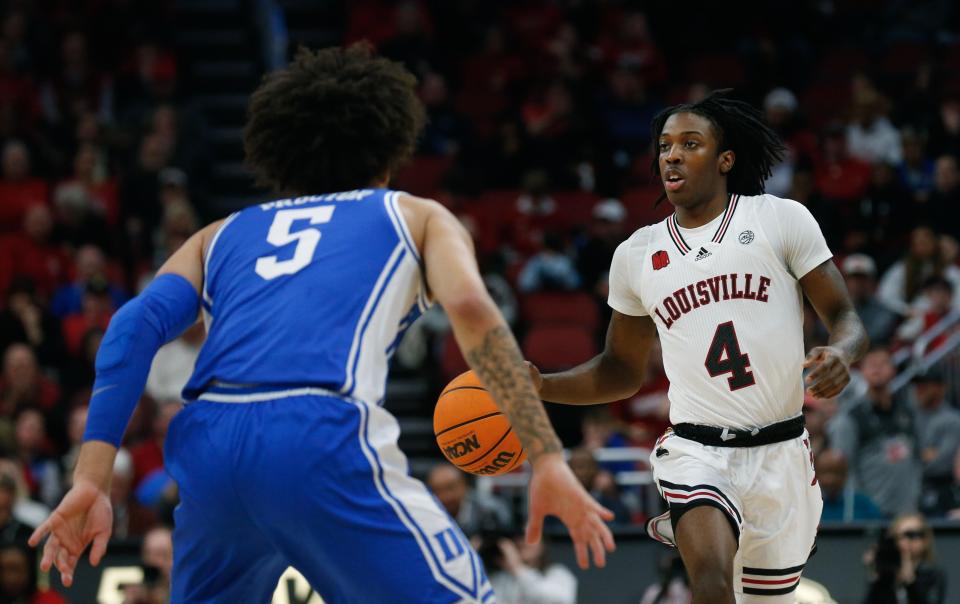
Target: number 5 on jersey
x,y
724,356
269,267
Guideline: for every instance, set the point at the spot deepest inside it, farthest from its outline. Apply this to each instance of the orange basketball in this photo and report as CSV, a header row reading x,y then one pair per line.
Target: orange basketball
x,y
471,430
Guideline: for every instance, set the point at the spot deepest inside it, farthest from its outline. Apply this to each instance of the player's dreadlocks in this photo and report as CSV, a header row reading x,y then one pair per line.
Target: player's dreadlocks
x,y
335,119
739,127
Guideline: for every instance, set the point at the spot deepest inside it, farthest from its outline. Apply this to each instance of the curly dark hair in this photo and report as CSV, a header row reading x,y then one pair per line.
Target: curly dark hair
x,y
335,119
739,127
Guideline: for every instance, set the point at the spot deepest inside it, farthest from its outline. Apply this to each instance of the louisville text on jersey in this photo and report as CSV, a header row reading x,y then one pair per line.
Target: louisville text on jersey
x,y
712,289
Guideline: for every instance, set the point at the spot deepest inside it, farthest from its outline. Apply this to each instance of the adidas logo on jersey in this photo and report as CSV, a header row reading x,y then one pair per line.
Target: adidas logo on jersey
x,y
703,253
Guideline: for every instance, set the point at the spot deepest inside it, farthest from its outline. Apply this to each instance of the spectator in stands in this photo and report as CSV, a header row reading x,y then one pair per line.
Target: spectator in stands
x,y
25,510
550,269
526,575
904,567
11,529
945,135
91,264
599,482
157,550
96,309
941,206
25,320
445,127
625,112
782,112
76,424
174,363
153,487
77,377
937,294
41,472
674,584
938,429
22,384
900,286
916,171
870,135
607,230
878,437
142,183
77,86
473,511
841,502
156,559
860,274
18,578
34,254
840,177
19,190
130,519
817,413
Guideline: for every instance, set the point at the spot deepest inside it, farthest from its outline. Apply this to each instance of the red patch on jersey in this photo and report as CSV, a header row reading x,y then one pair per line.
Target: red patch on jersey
x,y
660,260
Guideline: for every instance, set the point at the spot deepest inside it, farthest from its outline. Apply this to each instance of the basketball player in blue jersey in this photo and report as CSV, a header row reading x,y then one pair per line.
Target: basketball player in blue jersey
x,y
283,454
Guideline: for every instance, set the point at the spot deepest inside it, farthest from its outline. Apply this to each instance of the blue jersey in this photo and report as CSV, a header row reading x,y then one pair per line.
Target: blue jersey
x,y
313,291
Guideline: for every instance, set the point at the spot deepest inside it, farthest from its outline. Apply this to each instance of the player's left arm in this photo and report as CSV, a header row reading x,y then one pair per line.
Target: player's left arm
x,y
827,292
164,310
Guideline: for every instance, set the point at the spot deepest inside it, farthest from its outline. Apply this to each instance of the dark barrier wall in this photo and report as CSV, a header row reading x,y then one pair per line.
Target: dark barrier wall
x,y
838,565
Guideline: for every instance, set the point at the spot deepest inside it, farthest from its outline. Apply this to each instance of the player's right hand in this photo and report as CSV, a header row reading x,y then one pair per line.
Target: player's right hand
x,y
535,376
555,491
84,516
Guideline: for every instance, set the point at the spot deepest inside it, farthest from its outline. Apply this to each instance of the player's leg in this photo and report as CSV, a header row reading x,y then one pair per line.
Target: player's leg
x,y
704,517
708,547
219,556
345,513
781,516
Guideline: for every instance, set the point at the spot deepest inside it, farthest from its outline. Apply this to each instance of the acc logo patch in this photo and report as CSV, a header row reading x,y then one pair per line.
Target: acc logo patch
x,y
746,237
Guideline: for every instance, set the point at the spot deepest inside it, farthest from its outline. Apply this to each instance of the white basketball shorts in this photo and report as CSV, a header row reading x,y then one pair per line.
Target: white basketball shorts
x,y
769,493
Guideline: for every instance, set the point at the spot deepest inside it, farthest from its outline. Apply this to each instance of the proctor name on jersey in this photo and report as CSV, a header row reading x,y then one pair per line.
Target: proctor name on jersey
x,y
713,289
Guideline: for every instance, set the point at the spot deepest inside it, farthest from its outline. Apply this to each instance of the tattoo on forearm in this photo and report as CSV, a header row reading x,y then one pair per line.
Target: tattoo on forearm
x,y
849,335
498,362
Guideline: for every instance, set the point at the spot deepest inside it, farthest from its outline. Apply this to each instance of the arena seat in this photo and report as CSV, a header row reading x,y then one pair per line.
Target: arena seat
x,y
555,347
560,308
423,175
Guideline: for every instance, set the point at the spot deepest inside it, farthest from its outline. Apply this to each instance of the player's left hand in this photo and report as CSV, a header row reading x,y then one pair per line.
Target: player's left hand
x,y
84,516
830,374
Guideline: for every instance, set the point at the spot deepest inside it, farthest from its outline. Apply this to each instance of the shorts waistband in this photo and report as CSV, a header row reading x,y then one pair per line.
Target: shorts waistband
x,y
224,392
725,437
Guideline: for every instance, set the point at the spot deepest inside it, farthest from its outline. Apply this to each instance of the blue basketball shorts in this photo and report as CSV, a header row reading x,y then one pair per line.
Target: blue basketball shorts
x,y
304,478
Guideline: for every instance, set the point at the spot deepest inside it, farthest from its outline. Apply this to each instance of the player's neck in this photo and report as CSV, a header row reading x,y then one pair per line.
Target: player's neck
x,y
701,213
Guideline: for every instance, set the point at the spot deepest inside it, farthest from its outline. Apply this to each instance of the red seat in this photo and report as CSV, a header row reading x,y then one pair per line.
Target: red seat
x,y
641,210
560,308
574,208
423,175
555,347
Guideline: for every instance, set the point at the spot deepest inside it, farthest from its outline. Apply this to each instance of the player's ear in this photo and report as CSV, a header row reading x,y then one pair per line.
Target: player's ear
x,y
725,161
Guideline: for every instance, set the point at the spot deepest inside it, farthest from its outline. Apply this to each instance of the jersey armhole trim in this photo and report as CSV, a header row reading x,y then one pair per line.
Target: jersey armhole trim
x,y
209,253
392,203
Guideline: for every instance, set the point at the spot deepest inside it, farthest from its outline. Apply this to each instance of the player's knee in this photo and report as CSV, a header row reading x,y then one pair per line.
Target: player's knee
x,y
712,586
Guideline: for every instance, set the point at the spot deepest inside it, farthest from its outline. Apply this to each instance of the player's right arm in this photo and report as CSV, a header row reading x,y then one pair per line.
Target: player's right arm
x,y
492,352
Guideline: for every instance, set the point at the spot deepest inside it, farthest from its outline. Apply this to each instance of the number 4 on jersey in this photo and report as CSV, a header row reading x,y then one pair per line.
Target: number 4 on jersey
x,y
724,356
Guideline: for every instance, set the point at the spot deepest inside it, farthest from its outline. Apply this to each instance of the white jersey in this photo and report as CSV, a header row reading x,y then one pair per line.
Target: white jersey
x,y
728,307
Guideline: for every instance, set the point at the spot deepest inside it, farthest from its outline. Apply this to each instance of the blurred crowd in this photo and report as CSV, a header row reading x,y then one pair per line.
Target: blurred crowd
x,y
538,139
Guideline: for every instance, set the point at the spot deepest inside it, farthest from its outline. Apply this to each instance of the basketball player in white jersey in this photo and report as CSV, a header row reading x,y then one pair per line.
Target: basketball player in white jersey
x,y
721,281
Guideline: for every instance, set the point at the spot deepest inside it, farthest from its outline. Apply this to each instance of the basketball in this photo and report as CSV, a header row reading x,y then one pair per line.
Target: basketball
x,y
472,432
